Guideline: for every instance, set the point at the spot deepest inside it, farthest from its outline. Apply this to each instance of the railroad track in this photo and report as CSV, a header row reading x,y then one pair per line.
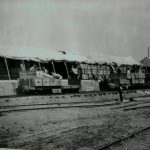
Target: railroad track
x,y
106,146
125,107
58,103
57,106
129,105
117,105
88,93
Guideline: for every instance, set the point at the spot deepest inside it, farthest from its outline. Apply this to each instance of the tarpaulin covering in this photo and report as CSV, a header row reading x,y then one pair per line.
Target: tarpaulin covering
x,y
45,55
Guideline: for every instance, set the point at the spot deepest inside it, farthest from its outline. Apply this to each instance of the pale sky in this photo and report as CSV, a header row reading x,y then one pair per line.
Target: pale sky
x,y
112,27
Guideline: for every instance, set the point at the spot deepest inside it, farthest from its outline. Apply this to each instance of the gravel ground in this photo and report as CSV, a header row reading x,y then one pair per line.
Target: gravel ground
x,y
68,129
137,142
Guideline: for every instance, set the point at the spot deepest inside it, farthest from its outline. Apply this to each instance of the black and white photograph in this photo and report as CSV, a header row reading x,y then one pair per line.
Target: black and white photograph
x,y
74,74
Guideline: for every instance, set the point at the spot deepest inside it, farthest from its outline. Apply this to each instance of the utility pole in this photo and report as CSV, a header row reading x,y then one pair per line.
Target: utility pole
x,y
148,51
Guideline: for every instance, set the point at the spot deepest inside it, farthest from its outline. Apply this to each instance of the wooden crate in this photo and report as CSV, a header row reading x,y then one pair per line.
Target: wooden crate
x,y
89,71
39,74
38,82
106,72
132,75
83,66
89,66
136,75
124,81
94,67
31,74
64,82
86,71
89,85
90,76
23,74
141,80
94,71
84,76
141,75
100,72
31,82
55,82
46,82
135,81
129,75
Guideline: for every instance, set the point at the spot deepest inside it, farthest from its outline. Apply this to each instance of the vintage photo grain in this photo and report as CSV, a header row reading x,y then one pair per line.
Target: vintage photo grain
x,y
74,75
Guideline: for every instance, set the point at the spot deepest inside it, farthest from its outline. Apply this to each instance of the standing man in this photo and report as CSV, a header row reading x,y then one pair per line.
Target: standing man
x,y
120,93
119,86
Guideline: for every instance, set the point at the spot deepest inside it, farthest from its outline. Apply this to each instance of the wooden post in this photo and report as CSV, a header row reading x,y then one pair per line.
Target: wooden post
x,y
24,65
67,69
39,65
53,67
7,68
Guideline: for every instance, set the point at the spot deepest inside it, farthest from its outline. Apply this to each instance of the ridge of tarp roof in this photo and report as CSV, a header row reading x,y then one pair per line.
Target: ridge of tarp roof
x,y
39,56
44,55
66,56
129,60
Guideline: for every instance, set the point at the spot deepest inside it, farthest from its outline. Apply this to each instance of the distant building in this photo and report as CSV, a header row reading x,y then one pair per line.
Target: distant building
x,y
145,62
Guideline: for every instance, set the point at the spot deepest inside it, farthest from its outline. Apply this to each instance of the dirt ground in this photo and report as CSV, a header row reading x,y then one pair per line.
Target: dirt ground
x,y
67,128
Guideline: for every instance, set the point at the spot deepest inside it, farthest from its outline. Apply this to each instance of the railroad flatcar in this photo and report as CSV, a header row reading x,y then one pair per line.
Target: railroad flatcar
x,y
38,82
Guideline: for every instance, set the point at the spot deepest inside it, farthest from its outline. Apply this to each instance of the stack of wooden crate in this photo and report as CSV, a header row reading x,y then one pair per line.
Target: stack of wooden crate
x,y
84,71
89,71
138,78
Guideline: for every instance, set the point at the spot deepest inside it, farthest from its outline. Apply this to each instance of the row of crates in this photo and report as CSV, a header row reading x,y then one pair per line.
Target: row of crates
x,y
40,82
124,81
97,67
27,74
122,77
129,76
88,66
95,71
138,81
115,76
91,76
135,75
133,81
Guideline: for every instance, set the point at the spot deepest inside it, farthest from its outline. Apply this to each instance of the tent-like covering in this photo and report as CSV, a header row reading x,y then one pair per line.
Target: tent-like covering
x,y
45,55
42,54
129,60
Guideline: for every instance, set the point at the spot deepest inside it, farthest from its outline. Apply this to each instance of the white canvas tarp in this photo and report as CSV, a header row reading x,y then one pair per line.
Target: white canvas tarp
x,y
39,54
